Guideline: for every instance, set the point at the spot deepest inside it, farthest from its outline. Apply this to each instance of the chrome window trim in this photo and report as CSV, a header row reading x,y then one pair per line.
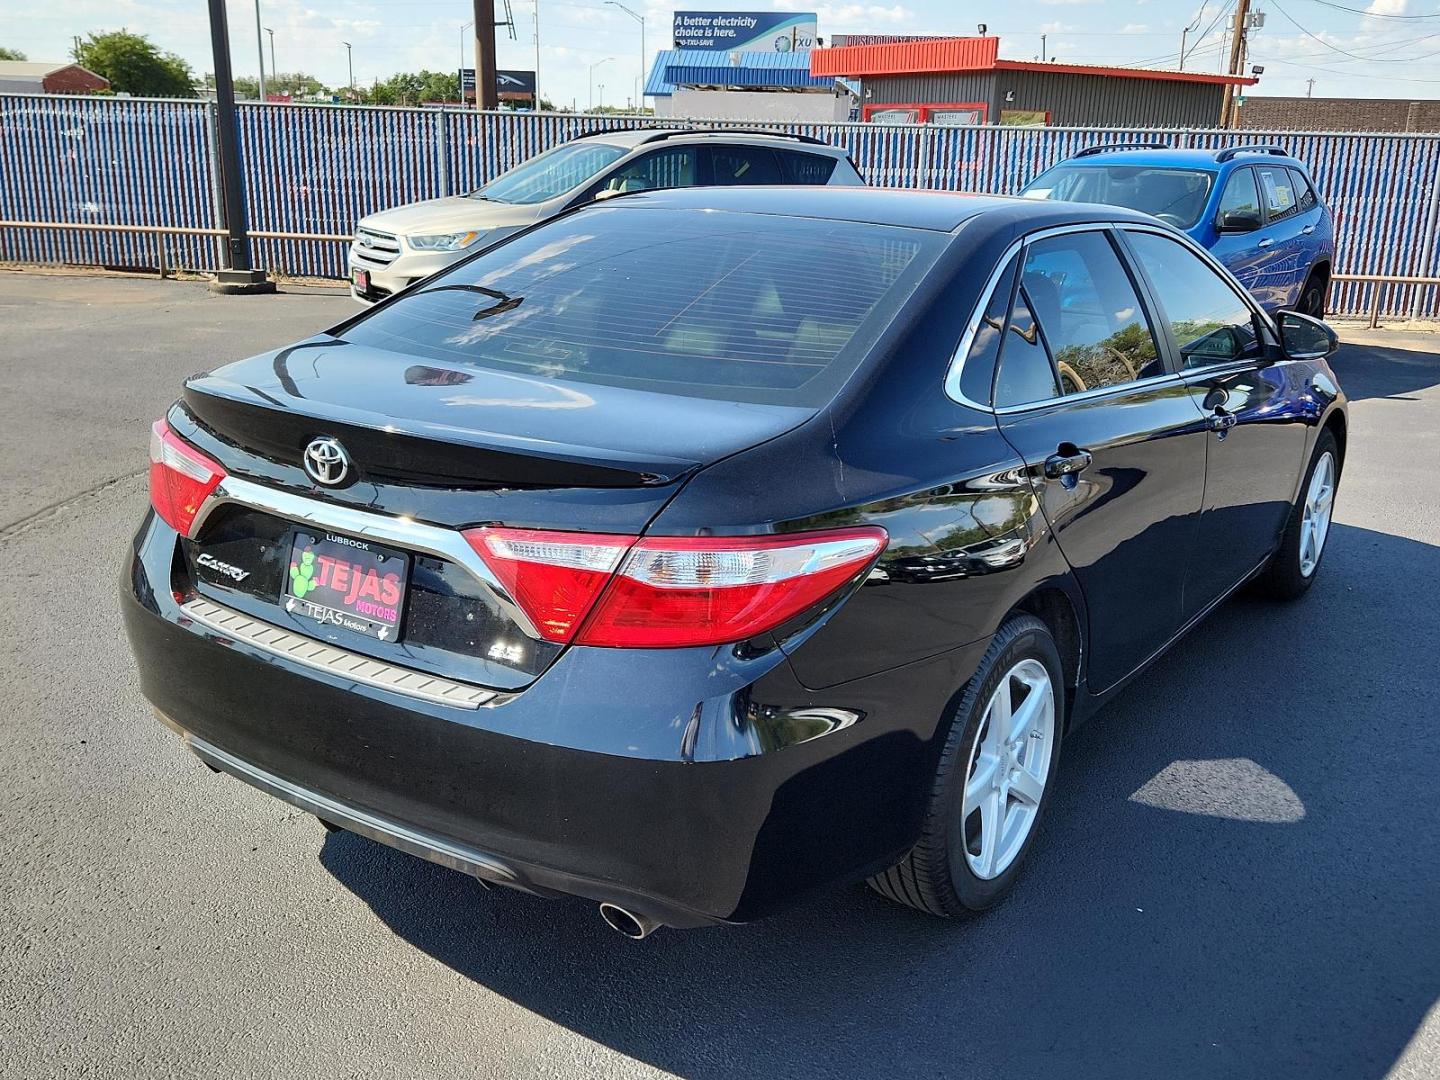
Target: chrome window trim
x,y
1091,395
972,327
403,532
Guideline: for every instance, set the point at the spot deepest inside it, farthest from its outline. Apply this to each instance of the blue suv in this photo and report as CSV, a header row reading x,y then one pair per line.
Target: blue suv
x,y
1254,207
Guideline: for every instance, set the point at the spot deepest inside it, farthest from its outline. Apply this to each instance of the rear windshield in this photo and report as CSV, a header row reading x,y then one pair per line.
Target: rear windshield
x,y
1175,196
746,307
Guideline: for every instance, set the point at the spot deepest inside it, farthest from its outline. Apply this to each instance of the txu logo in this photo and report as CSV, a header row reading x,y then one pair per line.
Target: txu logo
x,y
302,577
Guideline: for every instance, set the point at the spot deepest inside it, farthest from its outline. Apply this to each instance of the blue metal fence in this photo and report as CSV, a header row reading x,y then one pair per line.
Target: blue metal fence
x,y
318,169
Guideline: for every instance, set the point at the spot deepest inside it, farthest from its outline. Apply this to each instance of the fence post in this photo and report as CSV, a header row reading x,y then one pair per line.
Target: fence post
x,y
442,151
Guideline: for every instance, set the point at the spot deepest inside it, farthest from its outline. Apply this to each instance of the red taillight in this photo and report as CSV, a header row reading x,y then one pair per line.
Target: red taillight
x,y
670,591
553,576
181,478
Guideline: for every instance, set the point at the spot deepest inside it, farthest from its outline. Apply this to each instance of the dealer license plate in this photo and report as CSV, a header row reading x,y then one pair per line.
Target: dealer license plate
x,y
340,581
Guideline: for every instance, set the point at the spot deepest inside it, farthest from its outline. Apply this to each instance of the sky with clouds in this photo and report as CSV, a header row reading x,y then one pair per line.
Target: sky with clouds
x,y
1352,48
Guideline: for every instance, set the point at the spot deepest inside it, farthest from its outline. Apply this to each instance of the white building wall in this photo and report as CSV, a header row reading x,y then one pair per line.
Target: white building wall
x,y
820,107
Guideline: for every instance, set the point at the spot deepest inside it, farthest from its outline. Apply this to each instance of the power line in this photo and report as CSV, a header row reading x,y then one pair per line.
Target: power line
x,y
1332,48
1372,14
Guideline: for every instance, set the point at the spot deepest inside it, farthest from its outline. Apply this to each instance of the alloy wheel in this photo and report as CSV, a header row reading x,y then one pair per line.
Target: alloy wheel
x,y
1315,517
1008,769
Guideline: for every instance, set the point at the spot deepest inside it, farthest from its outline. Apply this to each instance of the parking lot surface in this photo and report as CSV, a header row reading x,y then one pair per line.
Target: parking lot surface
x,y
1239,876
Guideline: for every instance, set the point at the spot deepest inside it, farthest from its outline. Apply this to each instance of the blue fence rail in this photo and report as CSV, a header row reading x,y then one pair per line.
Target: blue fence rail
x,y
318,169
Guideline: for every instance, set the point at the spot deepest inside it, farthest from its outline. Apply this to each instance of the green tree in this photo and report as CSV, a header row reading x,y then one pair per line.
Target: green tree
x,y
11,54
134,65
295,83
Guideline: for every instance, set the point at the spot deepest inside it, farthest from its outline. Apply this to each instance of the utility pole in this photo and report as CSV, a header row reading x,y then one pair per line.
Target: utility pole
x,y
1237,47
1309,87
237,275
274,71
460,91
1044,56
350,64
487,92
260,48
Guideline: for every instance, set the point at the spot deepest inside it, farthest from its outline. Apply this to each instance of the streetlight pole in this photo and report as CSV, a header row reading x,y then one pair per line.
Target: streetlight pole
x,y
274,71
537,57
260,48
602,97
238,275
641,20
461,73
592,80
350,64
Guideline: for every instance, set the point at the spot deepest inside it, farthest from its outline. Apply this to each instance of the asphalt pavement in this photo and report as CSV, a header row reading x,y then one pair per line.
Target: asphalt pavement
x,y
1239,876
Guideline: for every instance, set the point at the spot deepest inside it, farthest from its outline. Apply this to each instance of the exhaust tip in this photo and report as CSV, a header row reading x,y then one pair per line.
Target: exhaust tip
x,y
625,922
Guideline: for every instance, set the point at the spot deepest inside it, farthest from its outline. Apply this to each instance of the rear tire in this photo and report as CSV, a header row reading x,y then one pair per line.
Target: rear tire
x,y
997,767
1295,565
1312,295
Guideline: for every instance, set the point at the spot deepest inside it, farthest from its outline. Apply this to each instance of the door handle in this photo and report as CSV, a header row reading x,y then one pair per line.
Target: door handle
x,y
1220,420
1308,229
1264,243
1067,463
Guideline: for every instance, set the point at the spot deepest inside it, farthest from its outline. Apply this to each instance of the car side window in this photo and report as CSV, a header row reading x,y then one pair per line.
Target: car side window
x,y
1211,324
1240,195
1089,312
799,167
736,165
1026,374
676,166
978,370
1278,191
1304,191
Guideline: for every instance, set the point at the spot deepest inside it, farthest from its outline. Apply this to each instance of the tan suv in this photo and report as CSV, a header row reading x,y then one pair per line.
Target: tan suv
x,y
397,247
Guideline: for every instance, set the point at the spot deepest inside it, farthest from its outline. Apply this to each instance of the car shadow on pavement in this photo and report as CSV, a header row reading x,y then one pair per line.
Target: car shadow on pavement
x,y
1239,876
1373,371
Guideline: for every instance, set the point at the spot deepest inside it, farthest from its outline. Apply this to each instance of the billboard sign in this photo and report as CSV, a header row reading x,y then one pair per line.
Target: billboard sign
x,y
520,84
510,85
745,31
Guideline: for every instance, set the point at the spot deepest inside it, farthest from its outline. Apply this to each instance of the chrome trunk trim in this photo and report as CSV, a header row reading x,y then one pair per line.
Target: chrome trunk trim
x,y
332,660
402,532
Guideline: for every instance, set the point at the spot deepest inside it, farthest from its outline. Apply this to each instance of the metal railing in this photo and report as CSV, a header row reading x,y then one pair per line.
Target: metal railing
x,y
1377,292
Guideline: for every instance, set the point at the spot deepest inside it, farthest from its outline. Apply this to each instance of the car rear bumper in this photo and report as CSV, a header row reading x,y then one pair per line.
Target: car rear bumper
x,y
692,786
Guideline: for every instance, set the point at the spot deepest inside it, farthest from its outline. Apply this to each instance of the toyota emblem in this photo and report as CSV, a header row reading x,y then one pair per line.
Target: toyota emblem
x,y
326,461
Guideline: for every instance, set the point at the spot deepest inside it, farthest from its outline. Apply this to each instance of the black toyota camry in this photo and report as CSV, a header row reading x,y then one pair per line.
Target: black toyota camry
x,y
704,550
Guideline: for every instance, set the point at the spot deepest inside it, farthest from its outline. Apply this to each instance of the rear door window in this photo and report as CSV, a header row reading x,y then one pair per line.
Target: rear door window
x,y
1026,375
676,166
744,165
799,167
1278,191
745,307
1089,312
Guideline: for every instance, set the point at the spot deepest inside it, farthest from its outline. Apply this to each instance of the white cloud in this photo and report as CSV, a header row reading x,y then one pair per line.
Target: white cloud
x,y
1388,7
1056,28
850,18
1135,28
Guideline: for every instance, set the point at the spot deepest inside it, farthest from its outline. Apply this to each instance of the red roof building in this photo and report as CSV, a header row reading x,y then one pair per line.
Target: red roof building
x,y
964,81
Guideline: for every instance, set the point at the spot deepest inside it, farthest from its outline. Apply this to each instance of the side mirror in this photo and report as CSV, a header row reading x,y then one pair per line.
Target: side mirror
x,y
1304,338
1240,221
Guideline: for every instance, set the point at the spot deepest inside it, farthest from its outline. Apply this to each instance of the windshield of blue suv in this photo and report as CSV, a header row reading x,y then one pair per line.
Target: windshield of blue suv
x,y
1175,196
551,174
